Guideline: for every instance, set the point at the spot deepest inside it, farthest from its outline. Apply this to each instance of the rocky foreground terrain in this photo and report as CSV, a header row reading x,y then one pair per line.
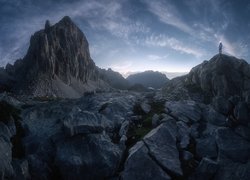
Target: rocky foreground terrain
x,y
197,127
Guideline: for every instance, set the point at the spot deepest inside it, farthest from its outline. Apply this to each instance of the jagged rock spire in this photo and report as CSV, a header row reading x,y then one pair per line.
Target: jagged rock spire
x,y
47,25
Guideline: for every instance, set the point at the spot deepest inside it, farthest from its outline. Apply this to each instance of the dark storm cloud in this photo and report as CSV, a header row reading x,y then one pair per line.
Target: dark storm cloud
x,y
130,35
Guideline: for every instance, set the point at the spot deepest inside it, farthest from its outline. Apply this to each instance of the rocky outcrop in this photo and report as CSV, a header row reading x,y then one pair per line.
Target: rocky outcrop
x,y
223,75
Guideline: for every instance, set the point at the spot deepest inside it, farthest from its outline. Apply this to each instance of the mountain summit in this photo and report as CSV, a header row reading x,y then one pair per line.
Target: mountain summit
x,y
57,63
222,75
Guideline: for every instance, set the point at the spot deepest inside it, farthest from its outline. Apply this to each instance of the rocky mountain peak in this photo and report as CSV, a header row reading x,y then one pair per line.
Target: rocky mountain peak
x,y
47,25
58,54
66,20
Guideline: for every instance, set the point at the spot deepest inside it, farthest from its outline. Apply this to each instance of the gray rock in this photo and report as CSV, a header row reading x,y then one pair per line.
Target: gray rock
x,y
155,120
210,130
241,113
84,122
187,155
145,107
247,98
21,168
183,134
140,166
161,143
38,168
122,141
5,132
206,147
216,118
231,170
232,146
234,100
45,133
11,126
11,100
167,118
243,131
222,75
6,169
194,133
206,170
124,128
90,157
221,105
184,110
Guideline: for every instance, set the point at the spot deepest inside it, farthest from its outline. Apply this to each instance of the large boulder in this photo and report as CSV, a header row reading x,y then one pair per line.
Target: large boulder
x,y
87,157
232,146
187,111
183,134
206,170
140,165
84,122
161,143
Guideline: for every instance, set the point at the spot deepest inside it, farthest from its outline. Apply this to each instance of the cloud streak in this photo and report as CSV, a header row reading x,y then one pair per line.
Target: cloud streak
x,y
172,43
168,14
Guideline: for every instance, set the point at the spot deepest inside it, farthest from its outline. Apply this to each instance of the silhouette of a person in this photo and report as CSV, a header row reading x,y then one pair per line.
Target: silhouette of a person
x,y
220,48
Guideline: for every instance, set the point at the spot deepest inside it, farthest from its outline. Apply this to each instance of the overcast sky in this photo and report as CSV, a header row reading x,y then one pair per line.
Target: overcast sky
x,y
135,35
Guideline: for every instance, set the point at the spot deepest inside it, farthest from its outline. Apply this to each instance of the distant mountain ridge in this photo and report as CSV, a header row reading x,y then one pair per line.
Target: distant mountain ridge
x,y
152,79
170,75
115,79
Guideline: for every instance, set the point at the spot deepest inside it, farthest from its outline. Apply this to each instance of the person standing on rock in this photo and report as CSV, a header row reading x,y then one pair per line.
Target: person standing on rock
x,y
220,48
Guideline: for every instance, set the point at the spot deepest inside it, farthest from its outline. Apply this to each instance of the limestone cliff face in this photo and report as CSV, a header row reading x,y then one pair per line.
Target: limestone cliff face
x,y
57,63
